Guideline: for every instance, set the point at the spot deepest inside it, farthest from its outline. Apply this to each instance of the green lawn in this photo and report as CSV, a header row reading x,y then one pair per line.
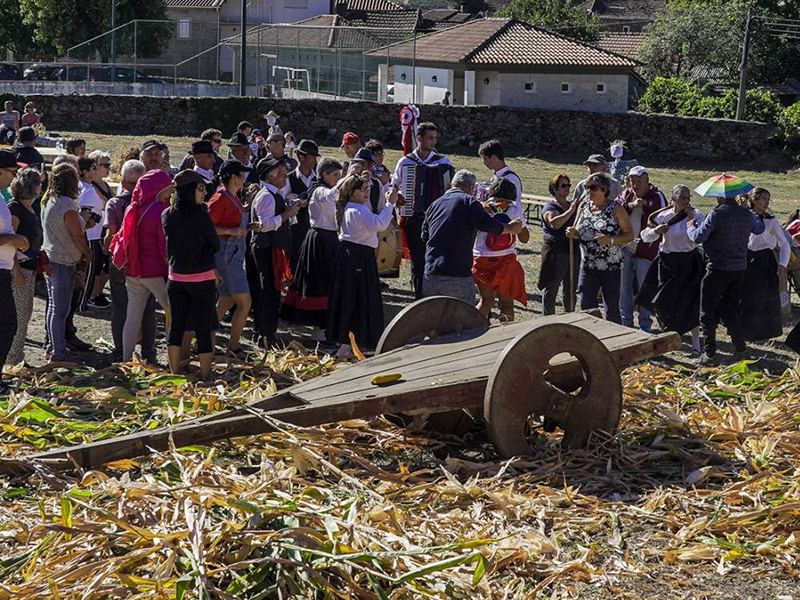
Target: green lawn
x,y
537,171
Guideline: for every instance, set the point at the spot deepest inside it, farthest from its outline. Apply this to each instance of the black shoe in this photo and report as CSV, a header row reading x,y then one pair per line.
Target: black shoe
x,y
98,302
78,345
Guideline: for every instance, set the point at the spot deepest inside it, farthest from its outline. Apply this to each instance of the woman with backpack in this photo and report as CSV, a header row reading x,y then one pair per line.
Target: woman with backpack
x,y
140,247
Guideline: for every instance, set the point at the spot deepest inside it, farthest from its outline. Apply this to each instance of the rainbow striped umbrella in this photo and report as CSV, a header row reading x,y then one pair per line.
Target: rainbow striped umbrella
x,y
724,186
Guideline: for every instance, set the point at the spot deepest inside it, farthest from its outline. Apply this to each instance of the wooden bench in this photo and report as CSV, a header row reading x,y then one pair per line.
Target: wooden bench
x,y
532,208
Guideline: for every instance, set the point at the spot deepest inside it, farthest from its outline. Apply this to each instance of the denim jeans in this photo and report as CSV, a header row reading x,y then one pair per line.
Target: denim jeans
x,y
59,301
462,288
591,282
633,272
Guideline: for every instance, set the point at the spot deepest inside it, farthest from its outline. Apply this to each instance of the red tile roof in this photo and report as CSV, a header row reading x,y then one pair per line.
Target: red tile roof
x,y
625,44
506,42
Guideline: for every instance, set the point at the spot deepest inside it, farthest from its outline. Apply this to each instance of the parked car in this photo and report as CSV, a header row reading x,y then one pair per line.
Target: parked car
x,y
9,72
126,75
37,72
88,73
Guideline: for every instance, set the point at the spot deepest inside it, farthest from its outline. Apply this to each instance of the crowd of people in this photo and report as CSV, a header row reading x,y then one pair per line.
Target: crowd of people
x,y
274,231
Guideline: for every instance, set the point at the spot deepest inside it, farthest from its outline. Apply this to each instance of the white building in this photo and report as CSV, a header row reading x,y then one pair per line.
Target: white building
x,y
506,62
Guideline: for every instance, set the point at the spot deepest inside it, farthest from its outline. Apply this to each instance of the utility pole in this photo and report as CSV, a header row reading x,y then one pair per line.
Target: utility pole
x,y
243,64
743,68
113,40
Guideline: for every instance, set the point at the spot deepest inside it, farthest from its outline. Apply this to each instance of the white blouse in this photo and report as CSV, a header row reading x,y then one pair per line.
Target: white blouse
x,y
675,239
773,237
264,208
322,208
361,226
89,198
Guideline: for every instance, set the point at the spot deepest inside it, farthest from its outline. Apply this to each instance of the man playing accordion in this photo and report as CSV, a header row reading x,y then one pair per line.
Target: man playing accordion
x,y
422,176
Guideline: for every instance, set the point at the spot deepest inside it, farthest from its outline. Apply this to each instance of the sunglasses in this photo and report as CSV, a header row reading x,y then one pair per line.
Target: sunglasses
x,y
565,185
216,141
105,165
201,187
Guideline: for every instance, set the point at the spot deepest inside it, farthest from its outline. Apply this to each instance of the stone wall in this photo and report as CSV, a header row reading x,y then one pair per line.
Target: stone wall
x,y
522,131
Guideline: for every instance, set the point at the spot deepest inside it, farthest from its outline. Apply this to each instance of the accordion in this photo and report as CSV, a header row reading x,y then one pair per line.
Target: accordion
x,y
423,183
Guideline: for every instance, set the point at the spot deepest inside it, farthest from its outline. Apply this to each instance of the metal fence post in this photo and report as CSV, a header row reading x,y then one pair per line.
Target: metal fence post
x,y
364,73
135,47
388,66
258,60
297,62
414,69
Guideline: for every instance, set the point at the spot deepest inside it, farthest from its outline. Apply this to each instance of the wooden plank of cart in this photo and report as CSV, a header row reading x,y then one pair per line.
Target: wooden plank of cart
x,y
554,372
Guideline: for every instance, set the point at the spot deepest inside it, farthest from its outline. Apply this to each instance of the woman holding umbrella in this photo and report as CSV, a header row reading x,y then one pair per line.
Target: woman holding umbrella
x,y
671,289
760,306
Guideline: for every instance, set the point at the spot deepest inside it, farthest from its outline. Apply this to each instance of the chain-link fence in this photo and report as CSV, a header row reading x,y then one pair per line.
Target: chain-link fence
x,y
286,60
173,58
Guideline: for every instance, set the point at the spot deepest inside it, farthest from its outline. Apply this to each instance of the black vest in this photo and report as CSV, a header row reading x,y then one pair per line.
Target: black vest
x,y
300,190
281,237
375,195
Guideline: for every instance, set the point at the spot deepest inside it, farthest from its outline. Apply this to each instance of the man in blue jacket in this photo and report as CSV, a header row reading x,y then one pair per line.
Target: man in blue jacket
x,y
724,234
449,229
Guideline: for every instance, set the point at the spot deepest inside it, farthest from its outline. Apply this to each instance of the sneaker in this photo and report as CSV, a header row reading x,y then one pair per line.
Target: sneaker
x,y
78,345
98,302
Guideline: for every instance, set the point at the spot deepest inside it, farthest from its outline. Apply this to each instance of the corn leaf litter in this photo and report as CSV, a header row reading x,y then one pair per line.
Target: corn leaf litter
x,y
700,481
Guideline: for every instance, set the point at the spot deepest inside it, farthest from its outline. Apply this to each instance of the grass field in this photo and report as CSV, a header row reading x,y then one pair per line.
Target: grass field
x,y
777,176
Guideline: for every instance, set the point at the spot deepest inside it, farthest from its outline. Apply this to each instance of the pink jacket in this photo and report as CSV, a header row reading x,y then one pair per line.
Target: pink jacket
x,y
140,246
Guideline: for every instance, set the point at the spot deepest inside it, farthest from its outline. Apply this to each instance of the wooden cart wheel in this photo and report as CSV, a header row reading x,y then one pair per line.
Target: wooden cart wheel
x,y
429,318
519,388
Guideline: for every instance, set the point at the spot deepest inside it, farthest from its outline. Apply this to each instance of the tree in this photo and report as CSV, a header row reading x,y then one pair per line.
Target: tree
x,y
14,35
690,38
559,15
58,25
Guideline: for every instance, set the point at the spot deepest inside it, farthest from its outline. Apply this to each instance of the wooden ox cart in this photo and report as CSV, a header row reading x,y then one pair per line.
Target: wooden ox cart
x,y
555,372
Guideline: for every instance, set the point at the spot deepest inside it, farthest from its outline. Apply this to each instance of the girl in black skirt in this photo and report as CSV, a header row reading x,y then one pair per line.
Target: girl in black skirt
x,y
671,289
355,303
760,304
306,302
